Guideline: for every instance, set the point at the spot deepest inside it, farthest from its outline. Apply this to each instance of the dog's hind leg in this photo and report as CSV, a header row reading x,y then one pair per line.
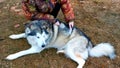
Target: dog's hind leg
x,y
17,36
76,50
77,58
32,50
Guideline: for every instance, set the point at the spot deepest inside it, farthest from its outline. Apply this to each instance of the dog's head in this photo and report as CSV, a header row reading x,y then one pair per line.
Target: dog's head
x,y
39,32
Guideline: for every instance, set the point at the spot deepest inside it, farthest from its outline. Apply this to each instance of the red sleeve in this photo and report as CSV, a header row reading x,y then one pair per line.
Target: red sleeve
x,y
31,13
26,10
67,10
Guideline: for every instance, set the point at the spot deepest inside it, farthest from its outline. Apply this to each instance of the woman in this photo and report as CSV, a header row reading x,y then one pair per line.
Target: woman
x,y
48,9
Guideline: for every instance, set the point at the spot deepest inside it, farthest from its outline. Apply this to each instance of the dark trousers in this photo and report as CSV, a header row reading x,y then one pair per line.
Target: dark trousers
x,y
56,10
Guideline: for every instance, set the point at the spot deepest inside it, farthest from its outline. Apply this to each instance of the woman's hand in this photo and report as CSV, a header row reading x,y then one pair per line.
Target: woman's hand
x,y
71,24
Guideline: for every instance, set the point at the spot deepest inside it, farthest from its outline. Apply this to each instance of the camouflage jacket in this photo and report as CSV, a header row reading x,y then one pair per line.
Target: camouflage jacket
x,y
38,9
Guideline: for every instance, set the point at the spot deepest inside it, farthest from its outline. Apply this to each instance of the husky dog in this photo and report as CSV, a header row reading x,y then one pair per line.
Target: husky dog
x,y
42,34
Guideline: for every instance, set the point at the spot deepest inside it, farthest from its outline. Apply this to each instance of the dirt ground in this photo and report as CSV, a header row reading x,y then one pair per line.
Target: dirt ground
x,y
99,19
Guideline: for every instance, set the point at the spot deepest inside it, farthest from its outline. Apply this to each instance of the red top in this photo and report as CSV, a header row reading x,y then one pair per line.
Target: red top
x,y
38,9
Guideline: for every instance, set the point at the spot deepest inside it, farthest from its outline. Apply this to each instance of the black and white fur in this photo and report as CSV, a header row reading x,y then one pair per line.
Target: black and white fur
x,y
42,34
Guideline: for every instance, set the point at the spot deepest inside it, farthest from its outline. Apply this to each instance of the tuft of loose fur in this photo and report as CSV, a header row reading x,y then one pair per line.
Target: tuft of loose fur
x,y
103,49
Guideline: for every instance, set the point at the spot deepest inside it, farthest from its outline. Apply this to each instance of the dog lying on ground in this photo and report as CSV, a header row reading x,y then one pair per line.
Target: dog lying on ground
x,y
42,34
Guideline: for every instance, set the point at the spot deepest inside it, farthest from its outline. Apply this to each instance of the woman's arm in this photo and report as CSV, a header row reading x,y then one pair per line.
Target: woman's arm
x,y
67,10
26,9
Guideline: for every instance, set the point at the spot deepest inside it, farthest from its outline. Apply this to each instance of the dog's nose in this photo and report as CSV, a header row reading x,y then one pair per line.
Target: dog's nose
x,y
43,45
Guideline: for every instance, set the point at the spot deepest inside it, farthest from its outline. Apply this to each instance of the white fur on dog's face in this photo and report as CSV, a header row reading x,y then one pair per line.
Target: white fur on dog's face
x,y
38,39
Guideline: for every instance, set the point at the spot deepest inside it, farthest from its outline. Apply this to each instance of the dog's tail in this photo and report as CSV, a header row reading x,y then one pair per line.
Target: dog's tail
x,y
102,49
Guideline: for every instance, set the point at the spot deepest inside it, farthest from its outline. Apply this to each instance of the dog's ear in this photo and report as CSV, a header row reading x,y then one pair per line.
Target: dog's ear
x,y
27,30
30,25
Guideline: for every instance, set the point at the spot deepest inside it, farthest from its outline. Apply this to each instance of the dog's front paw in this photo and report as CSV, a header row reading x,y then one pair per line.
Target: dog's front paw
x,y
11,57
13,36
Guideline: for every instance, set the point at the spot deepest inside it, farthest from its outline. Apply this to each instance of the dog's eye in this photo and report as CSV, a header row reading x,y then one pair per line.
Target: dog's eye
x,y
38,37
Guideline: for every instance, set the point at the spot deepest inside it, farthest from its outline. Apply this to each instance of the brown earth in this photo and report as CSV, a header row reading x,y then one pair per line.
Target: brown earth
x,y
99,19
